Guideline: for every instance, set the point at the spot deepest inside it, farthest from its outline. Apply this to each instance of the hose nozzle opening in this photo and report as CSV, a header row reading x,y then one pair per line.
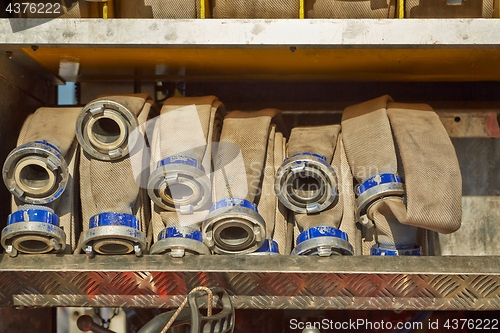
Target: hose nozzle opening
x,y
179,183
33,230
103,129
305,183
234,226
36,172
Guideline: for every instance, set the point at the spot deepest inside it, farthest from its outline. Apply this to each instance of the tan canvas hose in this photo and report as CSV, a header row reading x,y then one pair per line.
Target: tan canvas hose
x,y
114,207
164,9
247,9
40,171
422,189
234,224
351,9
306,183
440,9
181,165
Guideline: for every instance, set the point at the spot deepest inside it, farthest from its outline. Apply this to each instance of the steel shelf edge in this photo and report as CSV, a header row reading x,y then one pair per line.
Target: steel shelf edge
x,y
453,265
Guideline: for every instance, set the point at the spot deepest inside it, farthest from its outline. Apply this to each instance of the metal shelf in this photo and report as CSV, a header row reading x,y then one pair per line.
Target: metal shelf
x,y
286,50
274,282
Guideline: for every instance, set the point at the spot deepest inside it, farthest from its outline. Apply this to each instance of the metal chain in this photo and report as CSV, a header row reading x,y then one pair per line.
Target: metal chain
x,y
184,302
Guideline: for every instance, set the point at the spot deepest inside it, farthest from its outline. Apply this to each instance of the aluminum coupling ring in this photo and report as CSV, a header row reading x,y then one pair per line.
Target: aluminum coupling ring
x,y
179,242
234,226
104,129
114,233
179,183
380,250
305,183
375,189
36,172
33,230
323,241
269,248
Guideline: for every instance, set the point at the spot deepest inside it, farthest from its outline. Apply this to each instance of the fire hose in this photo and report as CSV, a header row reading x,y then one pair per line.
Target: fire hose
x,y
114,207
40,174
234,225
342,9
306,183
407,172
180,181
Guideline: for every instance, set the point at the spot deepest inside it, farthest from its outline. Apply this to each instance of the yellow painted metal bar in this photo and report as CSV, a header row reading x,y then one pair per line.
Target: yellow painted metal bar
x,y
205,10
401,9
302,9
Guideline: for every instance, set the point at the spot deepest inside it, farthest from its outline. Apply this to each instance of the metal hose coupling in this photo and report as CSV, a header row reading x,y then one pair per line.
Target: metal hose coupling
x,y
234,226
36,172
179,183
375,189
180,241
323,241
391,251
33,229
114,233
270,248
103,129
306,183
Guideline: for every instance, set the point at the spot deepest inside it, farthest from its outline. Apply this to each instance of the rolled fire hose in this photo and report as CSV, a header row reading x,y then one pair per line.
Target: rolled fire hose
x,y
114,207
234,225
306,183
181,164
269,208
171,9
39,173
409,181
247,9
450,9
351,9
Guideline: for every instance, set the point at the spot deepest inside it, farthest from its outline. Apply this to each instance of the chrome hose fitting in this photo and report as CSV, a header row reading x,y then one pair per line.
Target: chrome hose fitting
x,y
33,230
114,233
373,190
36,172
269,248
234,226
322,241
305,183
179,183
103,130
179,242
382,250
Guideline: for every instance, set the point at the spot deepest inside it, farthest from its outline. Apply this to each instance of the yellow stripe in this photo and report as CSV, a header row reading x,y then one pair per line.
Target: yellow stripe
x,y
301,10
401,7
202,9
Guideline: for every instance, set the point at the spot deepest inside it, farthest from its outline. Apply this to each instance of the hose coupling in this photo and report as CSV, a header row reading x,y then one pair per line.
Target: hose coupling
x,y
36,172
114,233
33,230
179,183
179,242
322,241
234,226
305,183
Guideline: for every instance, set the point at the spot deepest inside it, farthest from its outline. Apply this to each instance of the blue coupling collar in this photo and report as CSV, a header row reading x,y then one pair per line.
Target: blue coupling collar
x,y
269,246
114,219
321,231
181,159
41,215
234,202
378,250
172,232
319,158
383,178
45,145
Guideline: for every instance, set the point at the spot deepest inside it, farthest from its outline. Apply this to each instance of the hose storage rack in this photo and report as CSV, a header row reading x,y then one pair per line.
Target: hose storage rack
x,y
37,54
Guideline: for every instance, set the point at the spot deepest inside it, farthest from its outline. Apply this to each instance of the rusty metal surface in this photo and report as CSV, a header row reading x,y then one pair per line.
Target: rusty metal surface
x,y
279,282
